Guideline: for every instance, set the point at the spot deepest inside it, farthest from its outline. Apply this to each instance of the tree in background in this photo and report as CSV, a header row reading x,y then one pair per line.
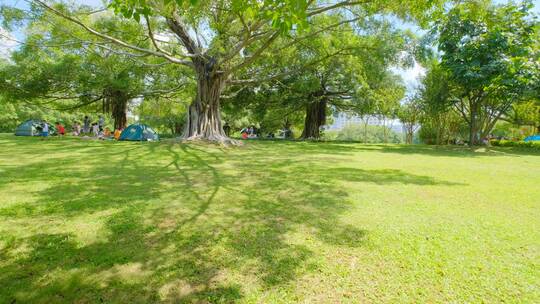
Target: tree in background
x,y
387,102
439,122
358,74
218,39
64,67
526,114
336,71
267,106
164,113
487,52
409,114
375,134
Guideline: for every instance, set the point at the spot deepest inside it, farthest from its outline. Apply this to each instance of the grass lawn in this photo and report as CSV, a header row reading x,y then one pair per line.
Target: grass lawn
x,y
269,222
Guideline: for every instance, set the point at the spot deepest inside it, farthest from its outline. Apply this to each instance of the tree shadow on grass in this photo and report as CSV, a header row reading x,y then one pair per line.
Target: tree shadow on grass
x,y
181,223
126,269
88,183
345,148
386,177
455,151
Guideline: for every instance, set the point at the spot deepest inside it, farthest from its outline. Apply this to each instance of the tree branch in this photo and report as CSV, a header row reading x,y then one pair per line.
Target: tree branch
x,y
177,26
151,35
323,9
158,92
112,39
81,104
297,40
256,54
301,68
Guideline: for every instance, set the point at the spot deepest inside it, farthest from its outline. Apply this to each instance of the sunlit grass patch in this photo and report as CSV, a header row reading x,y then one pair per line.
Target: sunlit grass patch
x,y
90,222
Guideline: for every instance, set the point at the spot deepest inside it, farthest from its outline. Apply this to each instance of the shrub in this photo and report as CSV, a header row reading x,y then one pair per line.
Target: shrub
x,y
516,144
357,132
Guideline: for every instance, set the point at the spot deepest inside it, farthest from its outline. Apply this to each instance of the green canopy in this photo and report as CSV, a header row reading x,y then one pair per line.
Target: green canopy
x,y
139,132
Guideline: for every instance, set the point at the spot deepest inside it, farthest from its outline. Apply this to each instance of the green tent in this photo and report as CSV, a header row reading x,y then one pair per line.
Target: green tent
x,y
31,127
139,132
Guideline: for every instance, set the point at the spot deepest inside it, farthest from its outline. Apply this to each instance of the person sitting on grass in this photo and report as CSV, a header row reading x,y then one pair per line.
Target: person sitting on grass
x,y
117,133
101,122
60,128
101,135
76,129
105,134
95,129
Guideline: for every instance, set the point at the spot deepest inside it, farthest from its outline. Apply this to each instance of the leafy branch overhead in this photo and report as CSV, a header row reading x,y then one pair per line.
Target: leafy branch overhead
x,y
221,39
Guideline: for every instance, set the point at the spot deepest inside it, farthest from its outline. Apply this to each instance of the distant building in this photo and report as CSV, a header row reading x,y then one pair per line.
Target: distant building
x,y
342,119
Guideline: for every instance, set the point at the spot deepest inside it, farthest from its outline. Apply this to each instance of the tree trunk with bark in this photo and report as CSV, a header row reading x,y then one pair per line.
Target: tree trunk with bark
x,y
366,124
409,133
203,119
119,114
315,118
116,103
473,124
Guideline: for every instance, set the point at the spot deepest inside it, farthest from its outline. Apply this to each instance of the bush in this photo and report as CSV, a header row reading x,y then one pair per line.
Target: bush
x,y
373,134
516,144
504,129
13,114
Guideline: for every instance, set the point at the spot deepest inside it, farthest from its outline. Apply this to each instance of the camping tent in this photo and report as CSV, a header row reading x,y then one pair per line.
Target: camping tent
x,y
28,128
32,127
139,132
533,138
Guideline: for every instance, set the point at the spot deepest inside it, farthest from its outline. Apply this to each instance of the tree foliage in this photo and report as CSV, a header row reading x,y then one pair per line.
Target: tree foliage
x,y
220,40
488,53
341,70
64,67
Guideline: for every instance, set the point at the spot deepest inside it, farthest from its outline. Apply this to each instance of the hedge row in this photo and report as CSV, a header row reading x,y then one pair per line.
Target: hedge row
x,y
518,144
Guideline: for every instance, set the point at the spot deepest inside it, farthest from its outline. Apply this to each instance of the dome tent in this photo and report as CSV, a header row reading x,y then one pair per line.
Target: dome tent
x,y
532,138
139,132
32,127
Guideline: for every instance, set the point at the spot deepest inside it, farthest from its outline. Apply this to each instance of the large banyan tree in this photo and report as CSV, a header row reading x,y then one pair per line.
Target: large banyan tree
x,y
218,39
61,66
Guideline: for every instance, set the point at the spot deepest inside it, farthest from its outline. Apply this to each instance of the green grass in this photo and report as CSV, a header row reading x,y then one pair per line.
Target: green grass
x,y
268,222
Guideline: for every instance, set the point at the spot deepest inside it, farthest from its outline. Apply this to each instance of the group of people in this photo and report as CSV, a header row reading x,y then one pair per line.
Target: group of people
x,y
249,132
44,128
97,129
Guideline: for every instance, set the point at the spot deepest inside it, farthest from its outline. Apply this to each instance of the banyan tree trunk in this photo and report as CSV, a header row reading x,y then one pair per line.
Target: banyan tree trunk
x,y
119,113
116,103
203,116
315,118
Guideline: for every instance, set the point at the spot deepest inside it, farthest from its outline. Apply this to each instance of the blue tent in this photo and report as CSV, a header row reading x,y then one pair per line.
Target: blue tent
x,y
32,127
533,138
139,132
